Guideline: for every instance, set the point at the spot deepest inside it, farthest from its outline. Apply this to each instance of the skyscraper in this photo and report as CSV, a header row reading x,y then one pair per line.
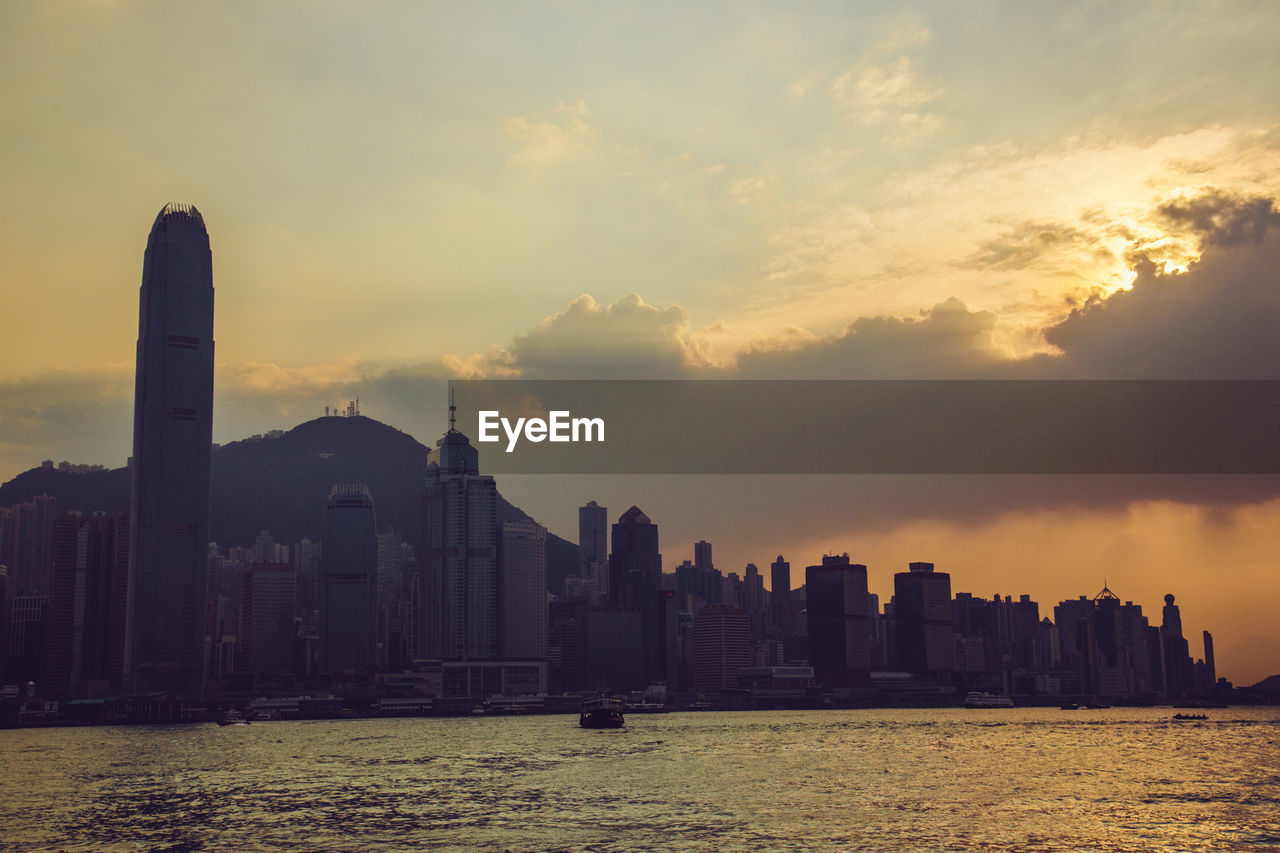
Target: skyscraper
x,y
839,622
635,566
635,580
524,590
457,607
1177,657
780,590
721,647
593,528
593,544
86,607
266,619
923,613
349,581
172,436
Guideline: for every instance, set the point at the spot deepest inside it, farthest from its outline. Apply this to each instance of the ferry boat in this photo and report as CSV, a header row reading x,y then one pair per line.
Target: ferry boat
x,y
601,712
232,717
977,699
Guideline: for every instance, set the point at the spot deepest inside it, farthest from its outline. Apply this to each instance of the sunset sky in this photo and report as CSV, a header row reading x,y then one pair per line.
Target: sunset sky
x,y
401,193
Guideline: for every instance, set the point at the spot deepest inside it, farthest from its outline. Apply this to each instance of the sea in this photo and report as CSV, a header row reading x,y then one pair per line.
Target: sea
x,y
1033,779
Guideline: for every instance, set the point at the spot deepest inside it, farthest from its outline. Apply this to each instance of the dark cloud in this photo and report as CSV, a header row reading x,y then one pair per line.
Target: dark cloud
x,y
1218,320
946,342
1221,218
83,416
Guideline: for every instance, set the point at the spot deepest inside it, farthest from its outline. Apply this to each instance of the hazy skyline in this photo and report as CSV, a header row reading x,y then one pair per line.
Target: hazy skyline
x,y
401,194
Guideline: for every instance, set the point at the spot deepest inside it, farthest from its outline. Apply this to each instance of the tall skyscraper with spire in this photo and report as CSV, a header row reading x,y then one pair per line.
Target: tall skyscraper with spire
x,y
172,436
458,606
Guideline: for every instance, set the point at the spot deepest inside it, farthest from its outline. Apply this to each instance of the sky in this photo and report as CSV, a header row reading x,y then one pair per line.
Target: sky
x,y
402,193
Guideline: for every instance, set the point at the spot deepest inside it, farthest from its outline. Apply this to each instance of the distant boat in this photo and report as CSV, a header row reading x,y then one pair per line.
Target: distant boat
x,y
647,708
1070,706
232,717
1182,718
601,712
977,699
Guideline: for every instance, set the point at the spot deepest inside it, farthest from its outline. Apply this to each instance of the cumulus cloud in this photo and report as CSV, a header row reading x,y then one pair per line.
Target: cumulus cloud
x,y
947,341
627,338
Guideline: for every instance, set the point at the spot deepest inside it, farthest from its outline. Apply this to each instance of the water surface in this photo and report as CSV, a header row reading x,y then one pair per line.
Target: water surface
x,y
891,780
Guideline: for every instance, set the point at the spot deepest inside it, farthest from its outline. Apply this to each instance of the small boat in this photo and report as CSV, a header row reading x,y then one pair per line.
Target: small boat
x,y
232,717
977,699
1070,706
601,712
1182,718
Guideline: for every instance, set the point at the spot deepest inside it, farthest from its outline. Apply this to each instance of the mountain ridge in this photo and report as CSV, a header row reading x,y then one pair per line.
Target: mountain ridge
x,y
281,482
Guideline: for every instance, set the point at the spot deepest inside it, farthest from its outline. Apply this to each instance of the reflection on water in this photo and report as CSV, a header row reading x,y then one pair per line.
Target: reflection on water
x,y
955,779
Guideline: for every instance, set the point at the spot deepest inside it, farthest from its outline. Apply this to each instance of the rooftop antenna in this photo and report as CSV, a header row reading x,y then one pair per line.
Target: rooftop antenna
x,y
452,412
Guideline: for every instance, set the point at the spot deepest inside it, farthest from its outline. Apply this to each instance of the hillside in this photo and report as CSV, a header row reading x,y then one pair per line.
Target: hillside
x,y
282,484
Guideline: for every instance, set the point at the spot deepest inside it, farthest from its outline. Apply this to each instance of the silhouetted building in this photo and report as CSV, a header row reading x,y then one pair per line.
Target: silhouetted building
x,y
86,607
780,587
923,620
593,545
635,580
635,565
266,636
721,647
170,467
457,607
26,545
25,643
1178,678
839,623
1210,666
614,649
524,590
349,582
702,556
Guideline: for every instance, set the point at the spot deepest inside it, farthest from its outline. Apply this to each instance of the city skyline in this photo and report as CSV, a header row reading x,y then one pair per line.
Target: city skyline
x,y
897,193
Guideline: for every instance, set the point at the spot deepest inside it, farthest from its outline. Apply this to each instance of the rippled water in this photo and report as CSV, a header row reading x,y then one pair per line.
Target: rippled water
x,y
954,779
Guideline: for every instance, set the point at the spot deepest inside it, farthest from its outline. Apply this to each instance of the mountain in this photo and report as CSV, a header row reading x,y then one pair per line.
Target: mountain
x,y
1270,684
282,482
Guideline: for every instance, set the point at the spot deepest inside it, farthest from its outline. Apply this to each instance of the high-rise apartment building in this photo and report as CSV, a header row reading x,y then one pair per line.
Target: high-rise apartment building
x,y
172,437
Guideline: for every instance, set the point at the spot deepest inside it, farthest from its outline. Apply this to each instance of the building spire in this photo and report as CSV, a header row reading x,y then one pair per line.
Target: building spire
x,y
453,411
